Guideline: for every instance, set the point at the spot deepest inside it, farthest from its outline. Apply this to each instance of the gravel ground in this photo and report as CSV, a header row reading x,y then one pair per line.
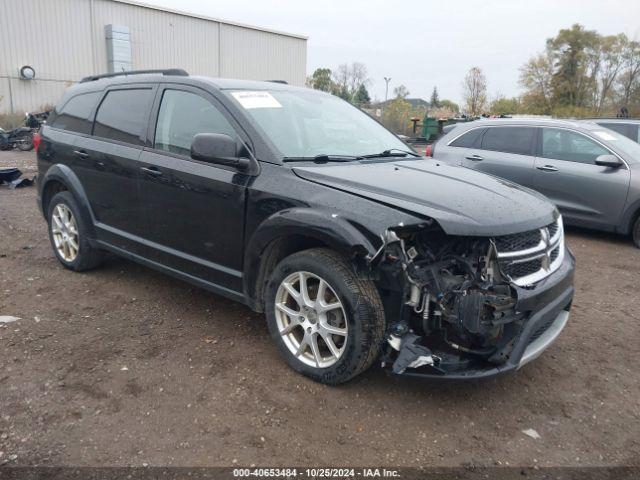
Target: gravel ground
x,y
125,366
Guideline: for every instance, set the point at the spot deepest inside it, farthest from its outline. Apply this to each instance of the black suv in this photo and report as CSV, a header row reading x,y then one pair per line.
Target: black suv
x,y
301,206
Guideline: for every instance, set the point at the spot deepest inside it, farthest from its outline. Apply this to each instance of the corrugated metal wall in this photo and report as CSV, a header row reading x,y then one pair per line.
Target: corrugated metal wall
x,y
64,40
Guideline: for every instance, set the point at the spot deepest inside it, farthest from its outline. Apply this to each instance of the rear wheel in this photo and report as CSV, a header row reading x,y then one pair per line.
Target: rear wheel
x,y
636,232
68,234
326,322
25,142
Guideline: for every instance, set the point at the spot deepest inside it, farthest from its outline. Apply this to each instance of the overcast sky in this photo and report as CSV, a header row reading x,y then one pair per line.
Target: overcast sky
x,y
427,43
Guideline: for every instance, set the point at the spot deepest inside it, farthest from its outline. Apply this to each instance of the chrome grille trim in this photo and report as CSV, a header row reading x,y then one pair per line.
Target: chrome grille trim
x,y
549,251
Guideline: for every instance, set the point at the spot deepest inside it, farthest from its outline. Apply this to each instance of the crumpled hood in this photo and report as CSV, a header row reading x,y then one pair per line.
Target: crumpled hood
x,y
462,201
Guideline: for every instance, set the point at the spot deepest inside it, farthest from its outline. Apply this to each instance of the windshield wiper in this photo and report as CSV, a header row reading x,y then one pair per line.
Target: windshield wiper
x,y
322,158
392,152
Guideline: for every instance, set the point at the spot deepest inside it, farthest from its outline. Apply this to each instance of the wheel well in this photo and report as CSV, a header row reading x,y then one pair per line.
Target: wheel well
x,y
275,252
634,218
50,189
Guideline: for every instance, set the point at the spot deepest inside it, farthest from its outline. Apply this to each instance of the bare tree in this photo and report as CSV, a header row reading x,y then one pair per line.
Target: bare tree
x,y
401,92
349,78
475,91
536,76
630,76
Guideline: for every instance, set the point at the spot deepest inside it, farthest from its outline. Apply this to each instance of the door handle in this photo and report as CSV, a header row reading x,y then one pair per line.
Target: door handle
x,y
81,153
475,158
548,168
151,171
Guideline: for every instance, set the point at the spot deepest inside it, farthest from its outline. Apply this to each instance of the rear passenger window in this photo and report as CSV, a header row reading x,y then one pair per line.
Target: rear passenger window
x,y
74,115
122,115
517,140
183,115
468,139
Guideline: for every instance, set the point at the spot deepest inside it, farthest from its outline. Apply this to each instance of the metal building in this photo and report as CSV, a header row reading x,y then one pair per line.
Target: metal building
x,y
65,40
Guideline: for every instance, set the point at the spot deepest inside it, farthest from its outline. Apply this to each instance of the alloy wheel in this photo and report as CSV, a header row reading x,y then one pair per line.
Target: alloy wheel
x,y
65,232
311,319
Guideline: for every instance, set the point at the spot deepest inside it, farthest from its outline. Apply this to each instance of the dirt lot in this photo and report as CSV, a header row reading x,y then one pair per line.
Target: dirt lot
x,y
125,366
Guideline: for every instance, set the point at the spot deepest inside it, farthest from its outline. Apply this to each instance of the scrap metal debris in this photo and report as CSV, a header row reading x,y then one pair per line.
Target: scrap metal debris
x,y
12,177
530,432
8,319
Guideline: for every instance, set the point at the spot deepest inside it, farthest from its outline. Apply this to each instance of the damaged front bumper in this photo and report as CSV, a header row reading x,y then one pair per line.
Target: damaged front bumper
x,y
544,311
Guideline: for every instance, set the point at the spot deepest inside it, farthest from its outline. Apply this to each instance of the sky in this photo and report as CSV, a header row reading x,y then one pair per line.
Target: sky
x,y
422,44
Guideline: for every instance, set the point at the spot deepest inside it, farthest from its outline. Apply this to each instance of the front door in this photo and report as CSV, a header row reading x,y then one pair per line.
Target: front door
x,y
195,209
586,194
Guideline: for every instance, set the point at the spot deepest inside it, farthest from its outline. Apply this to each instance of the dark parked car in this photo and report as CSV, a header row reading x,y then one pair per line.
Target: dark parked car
x,y
628,127
591,173
301,206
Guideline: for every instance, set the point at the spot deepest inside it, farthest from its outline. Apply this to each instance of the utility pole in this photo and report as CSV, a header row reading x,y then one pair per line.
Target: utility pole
x,y
386,91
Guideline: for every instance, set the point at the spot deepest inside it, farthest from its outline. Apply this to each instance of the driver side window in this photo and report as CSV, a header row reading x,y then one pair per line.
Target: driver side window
x,y
570,146
183,115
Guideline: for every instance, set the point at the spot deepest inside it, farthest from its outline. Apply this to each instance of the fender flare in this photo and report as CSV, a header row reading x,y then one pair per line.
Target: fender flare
x,y
324,226
63,174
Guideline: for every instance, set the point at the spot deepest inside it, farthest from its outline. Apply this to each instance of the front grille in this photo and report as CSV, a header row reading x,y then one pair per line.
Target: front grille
x,y
517,270
528,257
518,241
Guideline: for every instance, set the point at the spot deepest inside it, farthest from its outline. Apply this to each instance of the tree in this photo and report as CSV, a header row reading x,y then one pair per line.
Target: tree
x,y
535,77
448,104
397,115
401,92
348,79
475,91
362,96
504,106
321,80
574,54
435,99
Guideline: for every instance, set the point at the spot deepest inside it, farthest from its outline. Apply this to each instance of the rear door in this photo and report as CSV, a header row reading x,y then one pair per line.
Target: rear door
x,y
108,164
455,150
585,193
195,209
505,151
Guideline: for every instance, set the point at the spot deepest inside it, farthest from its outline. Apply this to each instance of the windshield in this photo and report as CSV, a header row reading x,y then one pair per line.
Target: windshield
x,y
309,123
619,142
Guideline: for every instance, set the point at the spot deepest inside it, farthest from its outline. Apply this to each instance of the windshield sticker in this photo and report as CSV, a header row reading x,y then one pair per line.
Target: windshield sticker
x,y
605,136
251,100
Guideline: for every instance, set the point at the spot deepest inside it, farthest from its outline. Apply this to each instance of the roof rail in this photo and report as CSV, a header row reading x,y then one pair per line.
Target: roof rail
x,y
284,82
167,71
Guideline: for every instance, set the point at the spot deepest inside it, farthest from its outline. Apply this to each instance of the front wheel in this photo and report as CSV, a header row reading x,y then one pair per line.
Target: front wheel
x,y
326,322
636,232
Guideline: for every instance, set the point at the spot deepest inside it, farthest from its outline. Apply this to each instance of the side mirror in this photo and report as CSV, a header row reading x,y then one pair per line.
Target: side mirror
x,y
608,161
217,148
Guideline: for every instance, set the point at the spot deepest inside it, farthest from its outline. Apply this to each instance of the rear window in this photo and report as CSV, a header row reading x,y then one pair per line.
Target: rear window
x,y
122,115
74,115
468,139
517,140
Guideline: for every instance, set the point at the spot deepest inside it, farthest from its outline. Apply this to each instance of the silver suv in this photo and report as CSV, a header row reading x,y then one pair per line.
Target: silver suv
x,y
590,172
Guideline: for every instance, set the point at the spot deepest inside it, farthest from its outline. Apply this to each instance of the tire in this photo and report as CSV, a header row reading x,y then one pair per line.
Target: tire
x,y
635,232
359,319
25,142
79,259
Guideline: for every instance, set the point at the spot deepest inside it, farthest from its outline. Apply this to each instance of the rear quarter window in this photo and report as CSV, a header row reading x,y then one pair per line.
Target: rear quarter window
x,y
73,116
468,139
122,115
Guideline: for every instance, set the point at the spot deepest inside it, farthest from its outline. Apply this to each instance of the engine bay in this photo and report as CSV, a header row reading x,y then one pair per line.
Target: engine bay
x,y
456,310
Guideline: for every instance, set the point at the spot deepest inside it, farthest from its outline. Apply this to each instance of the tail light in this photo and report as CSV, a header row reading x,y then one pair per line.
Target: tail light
x,y
429,151
36,141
